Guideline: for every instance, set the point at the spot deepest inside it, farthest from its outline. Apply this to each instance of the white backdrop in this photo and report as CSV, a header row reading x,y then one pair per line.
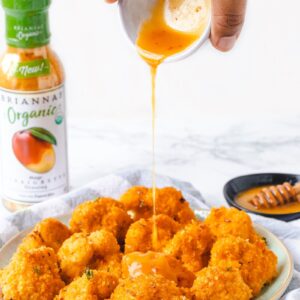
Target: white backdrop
x,y
106,78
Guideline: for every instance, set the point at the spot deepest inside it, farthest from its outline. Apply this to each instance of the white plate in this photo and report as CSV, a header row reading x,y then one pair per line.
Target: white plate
x,y
271,292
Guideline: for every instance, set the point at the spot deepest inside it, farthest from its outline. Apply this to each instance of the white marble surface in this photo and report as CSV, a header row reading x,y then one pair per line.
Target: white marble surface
x,y
206,152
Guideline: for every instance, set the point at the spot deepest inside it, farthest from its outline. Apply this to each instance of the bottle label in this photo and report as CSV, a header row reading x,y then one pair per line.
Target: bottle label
x,y
33,145
30,69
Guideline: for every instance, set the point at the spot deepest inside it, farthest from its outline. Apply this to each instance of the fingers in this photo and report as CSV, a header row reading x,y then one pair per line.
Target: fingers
x,y
227,21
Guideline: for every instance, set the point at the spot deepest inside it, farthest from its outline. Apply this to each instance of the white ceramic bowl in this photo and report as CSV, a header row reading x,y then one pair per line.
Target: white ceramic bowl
x,y
135,12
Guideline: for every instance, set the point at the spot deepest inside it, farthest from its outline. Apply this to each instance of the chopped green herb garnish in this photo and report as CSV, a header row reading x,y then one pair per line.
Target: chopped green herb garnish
x,y
89,273
37,270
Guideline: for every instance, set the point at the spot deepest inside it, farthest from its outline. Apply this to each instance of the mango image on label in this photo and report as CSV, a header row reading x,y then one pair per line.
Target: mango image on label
x,y
34,149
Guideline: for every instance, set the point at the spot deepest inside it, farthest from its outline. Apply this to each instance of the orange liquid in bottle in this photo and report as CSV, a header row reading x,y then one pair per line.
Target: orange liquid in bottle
x,y
13,55
156,42
36,155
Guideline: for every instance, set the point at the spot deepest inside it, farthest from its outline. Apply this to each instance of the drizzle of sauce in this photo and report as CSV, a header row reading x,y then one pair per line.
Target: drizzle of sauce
x,y
157,41
155,230
137,263
243,199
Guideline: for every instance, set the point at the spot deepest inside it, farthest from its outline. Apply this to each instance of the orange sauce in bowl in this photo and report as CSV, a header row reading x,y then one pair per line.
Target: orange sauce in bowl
x,y
243,199
158,41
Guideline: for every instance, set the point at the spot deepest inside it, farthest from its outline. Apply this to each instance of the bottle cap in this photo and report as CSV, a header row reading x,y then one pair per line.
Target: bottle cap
x,y
26,5
27,24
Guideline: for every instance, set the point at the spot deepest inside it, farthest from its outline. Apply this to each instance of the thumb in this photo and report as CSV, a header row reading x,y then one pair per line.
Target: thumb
x,y
227,21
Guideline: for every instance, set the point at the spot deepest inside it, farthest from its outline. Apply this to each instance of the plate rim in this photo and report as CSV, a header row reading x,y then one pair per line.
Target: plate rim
x,y
288,254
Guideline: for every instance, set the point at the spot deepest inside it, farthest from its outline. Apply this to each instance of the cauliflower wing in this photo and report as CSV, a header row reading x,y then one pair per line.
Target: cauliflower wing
x,y
213,283
136,264
102,213
84,250
148,287
140,234
138,201
191,245
49,232
92,285
32,274
258,264
230,221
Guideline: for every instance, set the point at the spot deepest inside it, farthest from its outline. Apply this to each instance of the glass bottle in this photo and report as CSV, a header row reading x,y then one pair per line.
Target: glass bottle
x,y
33,147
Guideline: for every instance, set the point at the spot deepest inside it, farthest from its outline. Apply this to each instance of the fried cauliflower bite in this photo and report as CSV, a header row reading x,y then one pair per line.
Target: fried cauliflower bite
x,y
148,287
213,283
136,264
32,274
50,233
139,236
135,203
191,245
258,264
92,285
74,255
104,243
102,213
110,264
83,250
230,221
138,201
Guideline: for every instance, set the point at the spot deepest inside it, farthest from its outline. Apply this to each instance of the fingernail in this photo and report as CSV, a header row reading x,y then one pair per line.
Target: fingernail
x,y
226,43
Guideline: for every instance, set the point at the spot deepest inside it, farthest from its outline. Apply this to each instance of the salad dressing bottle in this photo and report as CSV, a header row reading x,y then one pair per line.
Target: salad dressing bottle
x,y
33,147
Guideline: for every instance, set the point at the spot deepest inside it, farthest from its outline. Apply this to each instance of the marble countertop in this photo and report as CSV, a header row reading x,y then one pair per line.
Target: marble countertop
x,y
207,152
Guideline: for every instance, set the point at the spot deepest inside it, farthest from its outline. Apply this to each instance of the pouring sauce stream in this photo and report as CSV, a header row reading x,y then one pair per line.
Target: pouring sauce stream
x,y
156,42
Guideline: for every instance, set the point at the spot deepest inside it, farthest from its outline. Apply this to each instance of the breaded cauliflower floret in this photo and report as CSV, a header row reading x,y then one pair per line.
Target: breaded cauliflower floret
x,y
102,213
83,250
110,264
32,274
49,232
135,203
191,245
136,264
104,243
148,287
92,285
74,255
257,263
214,283
230,221
138,202
140,234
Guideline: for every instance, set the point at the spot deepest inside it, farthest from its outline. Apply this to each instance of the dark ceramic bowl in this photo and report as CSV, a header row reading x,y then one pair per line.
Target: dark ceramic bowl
x,y
240,184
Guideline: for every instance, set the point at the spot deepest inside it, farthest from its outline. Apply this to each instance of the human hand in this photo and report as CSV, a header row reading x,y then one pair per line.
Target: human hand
x,y
227,21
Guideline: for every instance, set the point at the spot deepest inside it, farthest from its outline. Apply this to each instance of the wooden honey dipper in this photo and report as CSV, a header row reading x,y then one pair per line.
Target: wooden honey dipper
x,y
276,195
